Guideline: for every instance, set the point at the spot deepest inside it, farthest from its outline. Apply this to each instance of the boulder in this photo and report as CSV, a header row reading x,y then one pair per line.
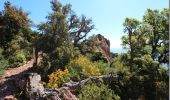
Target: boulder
x,y
66,94
33,86
30,85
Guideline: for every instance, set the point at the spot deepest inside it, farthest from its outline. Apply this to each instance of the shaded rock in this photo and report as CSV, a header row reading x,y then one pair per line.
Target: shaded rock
x,y
51,95
76,86
65,94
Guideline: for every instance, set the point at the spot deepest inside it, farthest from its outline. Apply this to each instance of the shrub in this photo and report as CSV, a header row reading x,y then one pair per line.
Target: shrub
x,y
98,56
3,62
57,59
81,68
17,59
95,91
103,67
57,78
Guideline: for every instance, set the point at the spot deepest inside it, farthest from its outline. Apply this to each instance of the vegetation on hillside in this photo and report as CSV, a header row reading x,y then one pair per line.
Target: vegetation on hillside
x,y
67,54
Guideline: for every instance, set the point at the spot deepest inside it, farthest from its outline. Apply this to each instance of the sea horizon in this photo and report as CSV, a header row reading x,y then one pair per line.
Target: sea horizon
x,y
118,50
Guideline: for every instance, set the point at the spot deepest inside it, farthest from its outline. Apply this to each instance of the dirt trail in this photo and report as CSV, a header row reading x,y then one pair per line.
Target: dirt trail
x,y
14,71
9,73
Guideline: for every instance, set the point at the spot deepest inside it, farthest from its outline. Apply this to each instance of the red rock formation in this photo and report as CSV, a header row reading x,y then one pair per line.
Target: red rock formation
x,y
103,46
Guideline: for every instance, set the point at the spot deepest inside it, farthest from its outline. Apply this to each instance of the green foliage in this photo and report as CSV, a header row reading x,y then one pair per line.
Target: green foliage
x,y
145,80
120,67
98,56
130,24
62,55
3,62
149,36
94,91
14,22
103,67
58,59
17,59
147,44
54,30
81,68
54,40
16,34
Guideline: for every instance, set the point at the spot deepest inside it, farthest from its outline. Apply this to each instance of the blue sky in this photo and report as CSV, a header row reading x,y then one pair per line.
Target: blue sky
x,y
107,15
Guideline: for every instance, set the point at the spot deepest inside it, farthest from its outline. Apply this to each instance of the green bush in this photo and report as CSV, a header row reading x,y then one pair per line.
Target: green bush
x,y
58,59
103,67
98,56
17,59
97,91
3,62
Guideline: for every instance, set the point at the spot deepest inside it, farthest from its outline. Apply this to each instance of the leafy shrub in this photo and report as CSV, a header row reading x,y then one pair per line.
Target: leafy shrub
x,y
103,67
95,91
3,62
28,53
61,56
98,56
57,78
81,68
57,59
17,59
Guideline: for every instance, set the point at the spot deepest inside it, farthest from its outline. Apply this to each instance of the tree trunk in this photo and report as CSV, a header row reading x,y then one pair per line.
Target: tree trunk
x,y
35,54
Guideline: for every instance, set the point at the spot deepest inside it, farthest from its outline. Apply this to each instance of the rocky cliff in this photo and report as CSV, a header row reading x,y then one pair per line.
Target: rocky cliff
x,y
103,45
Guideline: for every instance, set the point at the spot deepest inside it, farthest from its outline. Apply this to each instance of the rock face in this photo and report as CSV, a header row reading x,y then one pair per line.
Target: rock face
x,y
33,87
30,85
103,47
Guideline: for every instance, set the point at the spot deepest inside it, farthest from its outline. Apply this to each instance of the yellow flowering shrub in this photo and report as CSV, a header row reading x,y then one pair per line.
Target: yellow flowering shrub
x,y
81,67
57,78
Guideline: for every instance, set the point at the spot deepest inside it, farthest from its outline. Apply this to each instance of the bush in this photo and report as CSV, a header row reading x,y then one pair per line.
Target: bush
x,y
17,59
3,62
95,91
81,68
3,65
57,78
98,56
103,67
57,59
